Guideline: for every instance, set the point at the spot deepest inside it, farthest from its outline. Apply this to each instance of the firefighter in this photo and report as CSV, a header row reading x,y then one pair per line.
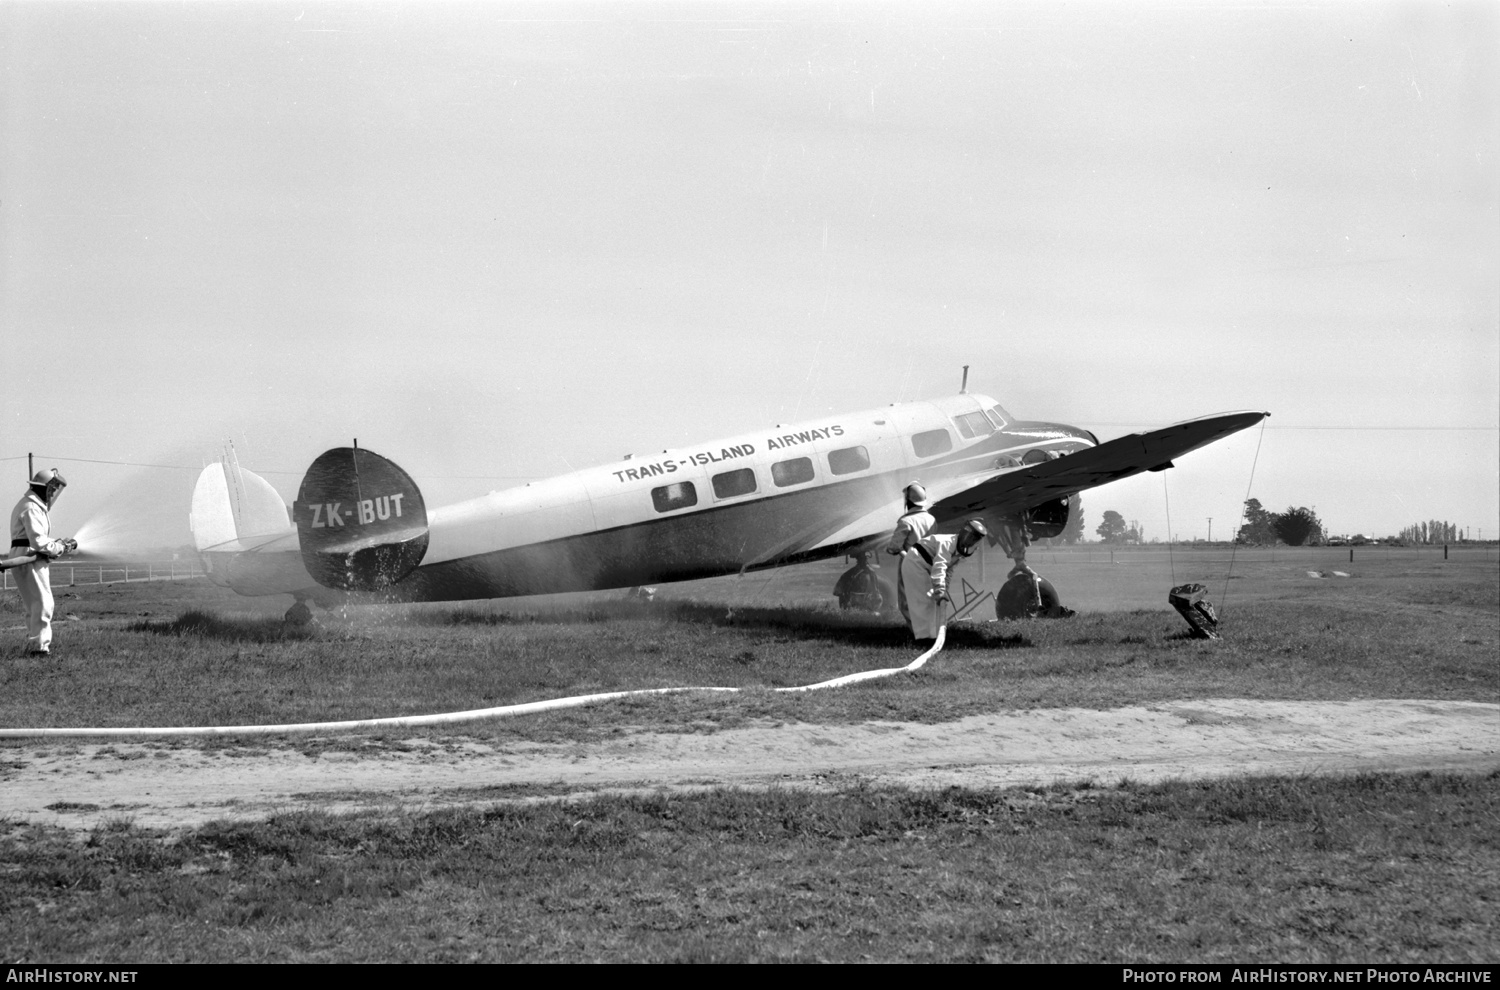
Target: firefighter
x,y
924,577
858,587
914,524
30,533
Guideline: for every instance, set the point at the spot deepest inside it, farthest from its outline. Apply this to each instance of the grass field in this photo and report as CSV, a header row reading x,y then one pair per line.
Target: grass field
x,y
192,654
1370,869
1374,868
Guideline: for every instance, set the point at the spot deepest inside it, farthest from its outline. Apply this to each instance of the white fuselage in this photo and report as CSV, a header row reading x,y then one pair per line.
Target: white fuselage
x,y
780,495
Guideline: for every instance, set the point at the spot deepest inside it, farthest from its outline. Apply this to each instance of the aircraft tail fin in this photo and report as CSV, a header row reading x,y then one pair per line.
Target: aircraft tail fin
x,y
231,504
361,522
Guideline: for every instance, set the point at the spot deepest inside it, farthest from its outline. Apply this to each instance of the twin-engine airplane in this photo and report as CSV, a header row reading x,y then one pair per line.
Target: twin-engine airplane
x,y
360,531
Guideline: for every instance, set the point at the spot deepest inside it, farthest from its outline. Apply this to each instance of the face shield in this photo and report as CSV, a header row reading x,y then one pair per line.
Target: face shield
x,y
48,483
969,537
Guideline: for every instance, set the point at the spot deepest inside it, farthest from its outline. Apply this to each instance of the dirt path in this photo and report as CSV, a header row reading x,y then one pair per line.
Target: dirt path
x,y
80,786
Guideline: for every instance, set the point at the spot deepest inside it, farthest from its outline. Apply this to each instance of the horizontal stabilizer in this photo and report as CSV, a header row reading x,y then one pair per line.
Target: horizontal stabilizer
x,y
235,506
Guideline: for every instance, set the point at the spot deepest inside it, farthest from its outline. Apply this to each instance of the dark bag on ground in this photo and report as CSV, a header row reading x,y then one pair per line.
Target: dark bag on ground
x,y
1191,601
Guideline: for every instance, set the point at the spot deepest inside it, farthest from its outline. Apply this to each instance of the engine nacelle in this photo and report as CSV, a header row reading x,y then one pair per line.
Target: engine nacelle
x,y
1049,519
361,521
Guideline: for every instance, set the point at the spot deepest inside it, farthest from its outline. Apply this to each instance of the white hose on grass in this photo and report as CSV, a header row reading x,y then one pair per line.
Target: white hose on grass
x,y
448,718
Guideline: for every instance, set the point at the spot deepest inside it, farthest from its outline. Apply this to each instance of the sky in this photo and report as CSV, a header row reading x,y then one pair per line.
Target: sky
x,y
501,241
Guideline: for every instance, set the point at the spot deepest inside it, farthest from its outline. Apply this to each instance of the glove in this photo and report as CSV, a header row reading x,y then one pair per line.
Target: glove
x,y
941,597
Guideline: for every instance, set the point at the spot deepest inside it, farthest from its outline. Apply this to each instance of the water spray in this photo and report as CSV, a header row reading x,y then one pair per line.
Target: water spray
x,y
103,535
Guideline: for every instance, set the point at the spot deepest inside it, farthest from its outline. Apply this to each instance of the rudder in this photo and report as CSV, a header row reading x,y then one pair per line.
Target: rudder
x,y
361,522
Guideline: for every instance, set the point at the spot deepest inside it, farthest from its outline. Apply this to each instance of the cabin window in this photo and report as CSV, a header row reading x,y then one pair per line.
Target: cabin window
x,y
973,425
931,443
997,416
848,460
676,496
796,471
732,483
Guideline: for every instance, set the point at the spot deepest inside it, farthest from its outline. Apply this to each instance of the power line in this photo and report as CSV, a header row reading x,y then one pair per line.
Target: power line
x,y
86,460
295,474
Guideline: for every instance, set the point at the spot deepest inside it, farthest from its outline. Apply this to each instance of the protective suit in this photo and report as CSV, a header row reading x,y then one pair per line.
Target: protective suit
x,y
915,524
910,528
30,531
924,576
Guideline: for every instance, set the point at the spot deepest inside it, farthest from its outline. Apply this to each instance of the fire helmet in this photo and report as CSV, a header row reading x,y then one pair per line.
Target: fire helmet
x,y
968,538
916,496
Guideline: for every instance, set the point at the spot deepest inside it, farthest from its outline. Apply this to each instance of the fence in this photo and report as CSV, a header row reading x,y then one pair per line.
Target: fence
x,y
1127,553
71,575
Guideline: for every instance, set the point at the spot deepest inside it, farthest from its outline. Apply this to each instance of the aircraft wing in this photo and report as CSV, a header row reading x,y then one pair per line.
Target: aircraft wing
x,y
1029,485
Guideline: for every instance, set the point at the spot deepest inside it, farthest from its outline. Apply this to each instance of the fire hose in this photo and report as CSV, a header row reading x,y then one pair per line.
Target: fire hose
x,y
449,718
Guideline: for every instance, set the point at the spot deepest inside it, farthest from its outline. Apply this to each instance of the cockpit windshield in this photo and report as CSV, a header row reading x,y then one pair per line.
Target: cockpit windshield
x,y
973,425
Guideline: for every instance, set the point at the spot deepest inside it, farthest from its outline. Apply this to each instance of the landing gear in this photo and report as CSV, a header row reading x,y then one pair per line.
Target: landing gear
x,y
1025,593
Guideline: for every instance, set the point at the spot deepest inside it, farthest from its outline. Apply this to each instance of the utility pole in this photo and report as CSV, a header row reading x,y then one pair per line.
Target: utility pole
x,y
1210,529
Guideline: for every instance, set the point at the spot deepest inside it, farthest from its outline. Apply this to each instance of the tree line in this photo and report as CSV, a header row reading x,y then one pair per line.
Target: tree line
x,y
1294,527
1114,528
1432,531
1297,526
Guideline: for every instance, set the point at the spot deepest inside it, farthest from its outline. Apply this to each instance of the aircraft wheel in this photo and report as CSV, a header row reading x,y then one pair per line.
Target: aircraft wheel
x,y
1014,601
